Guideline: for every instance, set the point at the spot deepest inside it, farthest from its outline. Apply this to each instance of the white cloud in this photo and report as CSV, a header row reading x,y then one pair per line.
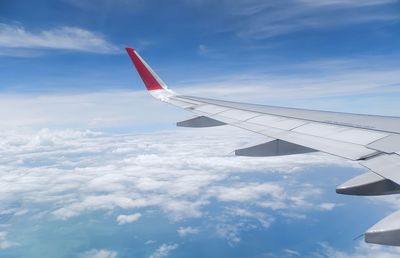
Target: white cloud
x,y
184,231
261,217
361,250
102,253
164,250
327,206
229,232
82,171
66,38
233,221
291,253
124,219
4,243
247,192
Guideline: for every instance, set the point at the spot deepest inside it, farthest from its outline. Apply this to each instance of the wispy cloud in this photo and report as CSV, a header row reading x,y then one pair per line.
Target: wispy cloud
x,y
4,243
257,19
235,221
16,40
164,250
361,250
104,7
348,3
99,253
184,231
319,84
229,232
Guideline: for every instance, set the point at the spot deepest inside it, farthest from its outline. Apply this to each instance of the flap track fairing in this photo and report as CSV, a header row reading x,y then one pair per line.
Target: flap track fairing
x,y
200,121
368,184
273,148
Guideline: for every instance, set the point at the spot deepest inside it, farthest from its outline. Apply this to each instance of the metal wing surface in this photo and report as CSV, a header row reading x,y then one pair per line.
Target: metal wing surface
x,y
372,141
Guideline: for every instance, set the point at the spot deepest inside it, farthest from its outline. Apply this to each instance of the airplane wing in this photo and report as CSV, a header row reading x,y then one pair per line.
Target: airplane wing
x,y
372,141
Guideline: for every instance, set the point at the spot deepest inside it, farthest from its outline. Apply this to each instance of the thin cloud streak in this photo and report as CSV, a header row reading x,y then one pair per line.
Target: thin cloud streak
x,y
321,84
14,37
332,84
259,19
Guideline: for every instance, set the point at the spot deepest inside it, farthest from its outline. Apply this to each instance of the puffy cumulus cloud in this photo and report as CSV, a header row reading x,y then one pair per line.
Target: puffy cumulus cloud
x,y
179,173
328,206
184,231
102,253
273,196
164,250
362,250
124,219
247,192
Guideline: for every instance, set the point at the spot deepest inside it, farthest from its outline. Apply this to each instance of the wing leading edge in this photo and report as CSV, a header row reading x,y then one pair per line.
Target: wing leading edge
x,y
373,141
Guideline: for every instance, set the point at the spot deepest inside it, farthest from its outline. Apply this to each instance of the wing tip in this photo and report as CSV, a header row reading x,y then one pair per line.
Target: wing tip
x,y
149,77
129,49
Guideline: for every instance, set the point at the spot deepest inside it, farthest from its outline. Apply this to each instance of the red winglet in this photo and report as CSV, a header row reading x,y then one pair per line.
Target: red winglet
x,y
148,76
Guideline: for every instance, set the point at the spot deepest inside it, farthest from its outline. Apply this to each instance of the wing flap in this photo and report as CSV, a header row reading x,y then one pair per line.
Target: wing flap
x,y
389,144
385,165
369,122
340,133
368,184
287,129
342,149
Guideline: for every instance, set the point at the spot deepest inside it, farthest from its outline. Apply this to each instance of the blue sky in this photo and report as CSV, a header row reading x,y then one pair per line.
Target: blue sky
x,y
336,55
78,45
94,166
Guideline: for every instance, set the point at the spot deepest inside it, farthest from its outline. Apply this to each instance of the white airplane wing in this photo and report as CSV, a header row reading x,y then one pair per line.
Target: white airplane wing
x,y
372,141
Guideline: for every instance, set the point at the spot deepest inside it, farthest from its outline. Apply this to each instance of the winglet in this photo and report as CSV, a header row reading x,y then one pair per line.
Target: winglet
x,y
149,77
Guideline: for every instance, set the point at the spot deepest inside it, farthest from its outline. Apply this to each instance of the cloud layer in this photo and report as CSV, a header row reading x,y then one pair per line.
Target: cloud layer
x,y
61,175
84,171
